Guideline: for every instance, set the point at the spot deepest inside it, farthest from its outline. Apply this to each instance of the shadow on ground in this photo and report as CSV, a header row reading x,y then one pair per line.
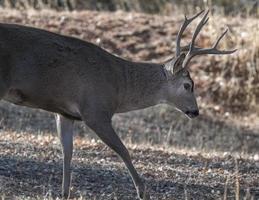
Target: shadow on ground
x,y
35,171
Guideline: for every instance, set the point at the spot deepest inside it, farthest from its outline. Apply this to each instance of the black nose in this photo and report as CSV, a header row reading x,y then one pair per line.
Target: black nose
x,y
192,113
195,112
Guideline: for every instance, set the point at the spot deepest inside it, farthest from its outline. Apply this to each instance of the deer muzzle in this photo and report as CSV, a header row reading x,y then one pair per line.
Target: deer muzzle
x,y
192,113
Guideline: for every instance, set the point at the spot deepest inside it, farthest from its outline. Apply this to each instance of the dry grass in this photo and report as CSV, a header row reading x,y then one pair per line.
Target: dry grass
x,y
245,8
235,80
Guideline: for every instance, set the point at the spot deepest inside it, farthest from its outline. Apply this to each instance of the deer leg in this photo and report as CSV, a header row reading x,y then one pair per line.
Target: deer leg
x,y
107,134
3,88
65,132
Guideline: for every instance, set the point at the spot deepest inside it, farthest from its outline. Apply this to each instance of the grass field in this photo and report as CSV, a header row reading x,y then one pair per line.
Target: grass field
x,y
215,156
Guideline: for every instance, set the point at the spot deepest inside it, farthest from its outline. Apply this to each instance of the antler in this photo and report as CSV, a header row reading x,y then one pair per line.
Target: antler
x,y
180,33
193,51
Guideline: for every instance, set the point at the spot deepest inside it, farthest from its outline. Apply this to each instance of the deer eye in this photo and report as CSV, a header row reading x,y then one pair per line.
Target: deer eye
x,y
187,86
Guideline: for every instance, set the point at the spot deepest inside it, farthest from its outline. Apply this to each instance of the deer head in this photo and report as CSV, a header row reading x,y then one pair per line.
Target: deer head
x,y
180,86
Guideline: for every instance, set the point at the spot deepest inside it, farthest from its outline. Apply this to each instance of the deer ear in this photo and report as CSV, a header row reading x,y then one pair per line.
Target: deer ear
x,y
178,63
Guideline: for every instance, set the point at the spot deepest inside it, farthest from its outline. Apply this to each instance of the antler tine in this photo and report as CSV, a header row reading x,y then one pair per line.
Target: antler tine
x,y
220,37
187,47
203,21
192,48
193,51
214,49
183,27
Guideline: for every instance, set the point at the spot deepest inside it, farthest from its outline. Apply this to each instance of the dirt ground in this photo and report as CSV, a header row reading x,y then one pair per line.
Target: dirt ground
x,y
31,167
215,156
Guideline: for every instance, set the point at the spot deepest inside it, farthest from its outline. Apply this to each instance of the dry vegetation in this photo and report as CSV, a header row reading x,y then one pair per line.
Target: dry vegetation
x,y
212,157
248,7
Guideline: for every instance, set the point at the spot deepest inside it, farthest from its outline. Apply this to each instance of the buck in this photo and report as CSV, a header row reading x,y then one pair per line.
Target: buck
x,y
78,80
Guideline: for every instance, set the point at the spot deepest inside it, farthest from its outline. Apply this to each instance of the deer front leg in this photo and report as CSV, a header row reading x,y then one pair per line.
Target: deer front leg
x,y
107,134
65,132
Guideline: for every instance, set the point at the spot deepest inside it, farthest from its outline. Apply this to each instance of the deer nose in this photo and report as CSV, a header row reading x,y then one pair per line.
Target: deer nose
x,y
192,113
195,112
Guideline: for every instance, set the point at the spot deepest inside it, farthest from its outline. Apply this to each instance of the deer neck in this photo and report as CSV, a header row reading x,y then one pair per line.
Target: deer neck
x,y
143,86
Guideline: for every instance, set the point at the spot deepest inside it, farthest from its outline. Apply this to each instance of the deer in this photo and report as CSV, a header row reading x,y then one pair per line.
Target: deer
x,y
79,81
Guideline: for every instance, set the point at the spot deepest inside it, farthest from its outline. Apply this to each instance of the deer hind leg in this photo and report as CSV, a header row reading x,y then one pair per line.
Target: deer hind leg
x,y
65,132
3,88
106,133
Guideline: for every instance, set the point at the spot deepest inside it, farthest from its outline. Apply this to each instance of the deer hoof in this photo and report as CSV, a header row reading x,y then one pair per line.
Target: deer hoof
x,y
143,194
65,195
